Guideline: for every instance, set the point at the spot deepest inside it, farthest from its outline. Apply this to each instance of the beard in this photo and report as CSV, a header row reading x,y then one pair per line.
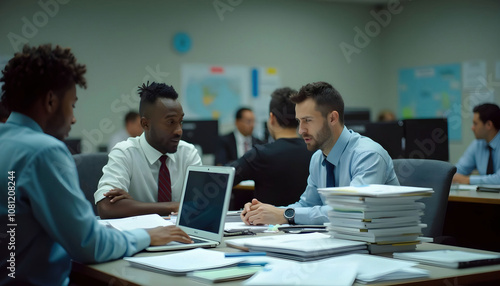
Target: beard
x,y
320,140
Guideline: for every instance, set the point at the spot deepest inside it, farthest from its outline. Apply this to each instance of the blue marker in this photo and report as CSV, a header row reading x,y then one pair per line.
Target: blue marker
x,y
252,264
244,254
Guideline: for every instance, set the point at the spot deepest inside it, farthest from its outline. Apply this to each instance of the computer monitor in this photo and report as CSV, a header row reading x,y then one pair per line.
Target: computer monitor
x,y
74,145
204,133
426,138
356,116
390,135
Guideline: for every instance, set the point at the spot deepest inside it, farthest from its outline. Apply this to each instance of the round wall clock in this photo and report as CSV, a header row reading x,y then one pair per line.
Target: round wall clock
x,y
182,42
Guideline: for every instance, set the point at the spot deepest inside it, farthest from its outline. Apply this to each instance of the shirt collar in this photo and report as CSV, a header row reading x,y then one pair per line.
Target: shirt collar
x,y
23,120
495,143
339,147
152,155
239,137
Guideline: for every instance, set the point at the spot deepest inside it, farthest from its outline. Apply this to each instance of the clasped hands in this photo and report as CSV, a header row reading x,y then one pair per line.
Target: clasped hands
x,y
257,213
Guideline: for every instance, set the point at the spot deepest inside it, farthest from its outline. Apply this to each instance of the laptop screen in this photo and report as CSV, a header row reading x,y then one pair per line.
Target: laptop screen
x,y
203,204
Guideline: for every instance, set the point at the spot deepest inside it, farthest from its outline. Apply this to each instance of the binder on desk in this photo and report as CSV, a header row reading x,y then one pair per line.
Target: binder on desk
x,y
488,188
450,258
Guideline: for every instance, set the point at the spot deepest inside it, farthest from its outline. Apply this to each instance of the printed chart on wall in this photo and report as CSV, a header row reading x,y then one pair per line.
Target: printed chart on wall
x,y
217,91
432,92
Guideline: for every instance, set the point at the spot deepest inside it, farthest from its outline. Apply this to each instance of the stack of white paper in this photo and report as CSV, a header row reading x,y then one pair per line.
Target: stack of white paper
x,y
242,243
302,247
235,226
387,217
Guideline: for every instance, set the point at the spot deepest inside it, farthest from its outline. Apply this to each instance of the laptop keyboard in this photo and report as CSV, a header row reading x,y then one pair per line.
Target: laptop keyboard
x,y
196,240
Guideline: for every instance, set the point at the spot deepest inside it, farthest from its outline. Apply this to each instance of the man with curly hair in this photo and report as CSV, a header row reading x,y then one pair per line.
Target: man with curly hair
x,y
145,174
46,217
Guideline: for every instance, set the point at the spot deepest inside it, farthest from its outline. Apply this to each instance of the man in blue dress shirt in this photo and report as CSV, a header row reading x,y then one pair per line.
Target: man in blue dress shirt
x,y
343,158
46,220
483,154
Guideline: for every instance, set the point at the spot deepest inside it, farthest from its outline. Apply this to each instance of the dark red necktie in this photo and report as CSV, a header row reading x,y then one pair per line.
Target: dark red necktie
x,y
164,184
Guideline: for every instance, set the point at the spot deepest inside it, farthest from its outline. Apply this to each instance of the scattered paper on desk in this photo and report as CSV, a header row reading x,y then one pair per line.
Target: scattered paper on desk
x,y
183,262
308,273
463,187
232,226
134,222
373,268
341,270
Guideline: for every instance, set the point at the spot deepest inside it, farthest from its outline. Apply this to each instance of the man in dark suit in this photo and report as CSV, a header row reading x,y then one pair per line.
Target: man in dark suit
x,y
233,145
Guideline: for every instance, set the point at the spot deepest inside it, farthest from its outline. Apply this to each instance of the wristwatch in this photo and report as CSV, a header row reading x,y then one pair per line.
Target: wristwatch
x,y
289,215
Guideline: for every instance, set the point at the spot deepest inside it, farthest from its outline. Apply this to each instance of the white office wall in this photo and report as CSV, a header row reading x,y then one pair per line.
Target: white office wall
x,y
120,40
428,32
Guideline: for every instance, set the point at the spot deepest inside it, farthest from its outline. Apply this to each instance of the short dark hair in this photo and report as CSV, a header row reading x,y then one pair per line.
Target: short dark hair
x,y
327,98
283,108
32,73
239,112
131,116
149,93
489,111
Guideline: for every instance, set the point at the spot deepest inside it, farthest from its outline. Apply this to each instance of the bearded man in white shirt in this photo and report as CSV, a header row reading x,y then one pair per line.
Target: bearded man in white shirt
x,y
130,182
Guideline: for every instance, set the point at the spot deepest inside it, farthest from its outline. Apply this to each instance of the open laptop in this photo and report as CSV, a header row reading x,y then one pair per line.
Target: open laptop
x,y
203,207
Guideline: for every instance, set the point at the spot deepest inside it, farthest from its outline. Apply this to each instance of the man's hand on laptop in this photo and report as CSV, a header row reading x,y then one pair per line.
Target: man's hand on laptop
x,y
256,213
164,234
115,195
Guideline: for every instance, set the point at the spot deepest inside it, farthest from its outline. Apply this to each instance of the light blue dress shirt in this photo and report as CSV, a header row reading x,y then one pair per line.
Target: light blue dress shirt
x,y
476,158
53,221
358,160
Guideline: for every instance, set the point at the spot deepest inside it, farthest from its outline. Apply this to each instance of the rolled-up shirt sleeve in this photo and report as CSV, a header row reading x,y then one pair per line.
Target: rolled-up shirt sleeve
x,y
62,210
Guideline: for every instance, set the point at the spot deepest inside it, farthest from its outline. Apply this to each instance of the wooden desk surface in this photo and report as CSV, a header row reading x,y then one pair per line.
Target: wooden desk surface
x,y
474,197
119,272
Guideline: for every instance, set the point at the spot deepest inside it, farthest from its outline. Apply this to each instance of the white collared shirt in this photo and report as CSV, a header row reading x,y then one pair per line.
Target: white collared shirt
x,y
240,143
133,166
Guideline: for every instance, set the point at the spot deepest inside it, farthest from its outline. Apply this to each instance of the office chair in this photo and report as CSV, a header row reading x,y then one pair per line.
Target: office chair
x,y
428,173
89,167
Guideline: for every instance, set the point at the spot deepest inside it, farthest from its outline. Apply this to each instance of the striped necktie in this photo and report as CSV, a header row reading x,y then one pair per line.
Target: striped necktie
x,y
164,184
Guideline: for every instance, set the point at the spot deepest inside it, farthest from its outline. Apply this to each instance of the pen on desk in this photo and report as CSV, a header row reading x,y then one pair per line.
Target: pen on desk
x,y
252,264
243,254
